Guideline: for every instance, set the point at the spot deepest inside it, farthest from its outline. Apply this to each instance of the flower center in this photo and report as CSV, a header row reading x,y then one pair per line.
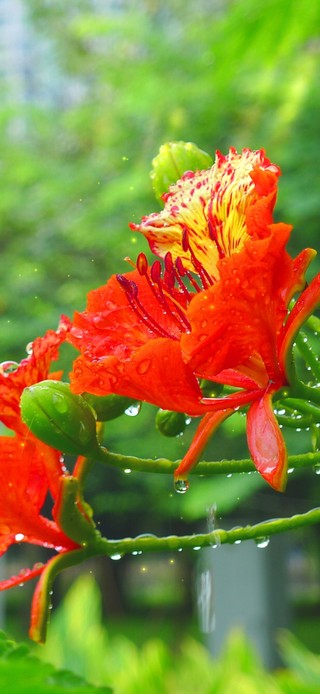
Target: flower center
x,y
172,287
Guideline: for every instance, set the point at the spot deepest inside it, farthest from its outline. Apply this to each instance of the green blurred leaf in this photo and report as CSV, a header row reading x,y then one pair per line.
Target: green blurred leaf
x,y
23,673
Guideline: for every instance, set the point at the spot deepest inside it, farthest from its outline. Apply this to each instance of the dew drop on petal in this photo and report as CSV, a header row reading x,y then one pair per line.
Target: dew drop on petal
x,y
19,537
143,366
181,486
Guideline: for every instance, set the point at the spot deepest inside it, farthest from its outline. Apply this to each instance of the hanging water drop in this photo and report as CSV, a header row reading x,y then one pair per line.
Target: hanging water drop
x,y
316,468
116,557
262,542
133,410
181,486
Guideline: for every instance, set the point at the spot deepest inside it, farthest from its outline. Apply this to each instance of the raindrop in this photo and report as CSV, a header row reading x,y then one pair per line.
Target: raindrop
x,y
262,542
317,468
77,333
116,557
127,471
133,410
59,403
29,348
143,366
19,537
196,549
237,542
181,486
8,367
290,470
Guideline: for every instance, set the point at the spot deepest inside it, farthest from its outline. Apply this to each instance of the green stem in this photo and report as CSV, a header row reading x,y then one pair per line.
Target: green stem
x,y
304,392
163,465
303,406
216,537
308,354
293,422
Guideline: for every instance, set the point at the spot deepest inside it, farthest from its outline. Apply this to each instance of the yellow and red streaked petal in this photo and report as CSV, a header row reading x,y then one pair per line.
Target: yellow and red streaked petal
x,y
308,301
236,323
205,430
211,207
266,444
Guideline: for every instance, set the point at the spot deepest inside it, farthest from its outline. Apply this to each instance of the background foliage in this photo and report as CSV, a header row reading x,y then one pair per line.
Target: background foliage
x,y
75,161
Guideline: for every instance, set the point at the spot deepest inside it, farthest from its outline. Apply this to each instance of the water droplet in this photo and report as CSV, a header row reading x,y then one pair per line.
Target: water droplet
x,y
237,542
19,537
127,471
181,486
203,323
8,367
133,410
316,468
230,474
143,366
116,557
262,542
59,403
29,348
196,549
290,470
77,333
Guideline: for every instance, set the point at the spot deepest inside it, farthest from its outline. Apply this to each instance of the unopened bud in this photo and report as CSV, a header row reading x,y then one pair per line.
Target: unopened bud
x,y
109,406
170,423
59,418
173,160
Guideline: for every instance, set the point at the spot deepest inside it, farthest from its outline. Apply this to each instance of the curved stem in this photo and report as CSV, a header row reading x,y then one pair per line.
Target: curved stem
x,y
308,354
217,537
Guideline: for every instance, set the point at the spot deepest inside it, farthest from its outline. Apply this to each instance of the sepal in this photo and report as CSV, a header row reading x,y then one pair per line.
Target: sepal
x,y
58,417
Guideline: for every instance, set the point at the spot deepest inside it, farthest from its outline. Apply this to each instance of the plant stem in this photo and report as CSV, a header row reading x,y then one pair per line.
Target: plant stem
x,y
214,538
308,354
163,465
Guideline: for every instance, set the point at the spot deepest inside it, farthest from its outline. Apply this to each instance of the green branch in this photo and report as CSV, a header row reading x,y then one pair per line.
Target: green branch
x,y
260,531
163,465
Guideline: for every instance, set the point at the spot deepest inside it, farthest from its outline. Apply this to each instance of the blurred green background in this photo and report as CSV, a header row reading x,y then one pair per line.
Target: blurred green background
x,y
99,87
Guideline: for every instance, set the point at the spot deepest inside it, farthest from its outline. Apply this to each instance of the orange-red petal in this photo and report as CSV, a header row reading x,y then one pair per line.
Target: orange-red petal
x,y
266,444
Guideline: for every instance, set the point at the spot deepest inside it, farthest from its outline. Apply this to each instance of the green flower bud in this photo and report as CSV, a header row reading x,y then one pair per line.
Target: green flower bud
x,y
173,160
210,389
108,406
170,423
59,418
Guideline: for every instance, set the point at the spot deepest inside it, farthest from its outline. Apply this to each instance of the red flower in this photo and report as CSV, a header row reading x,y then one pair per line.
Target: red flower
x,y
29,469
218,311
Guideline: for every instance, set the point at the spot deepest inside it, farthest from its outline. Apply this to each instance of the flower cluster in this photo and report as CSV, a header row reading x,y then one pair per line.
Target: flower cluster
x,y
216,308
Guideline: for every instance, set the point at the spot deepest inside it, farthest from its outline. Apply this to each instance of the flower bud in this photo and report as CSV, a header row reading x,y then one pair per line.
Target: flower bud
x,y
210,389
173,160
59,418
108,406
170,423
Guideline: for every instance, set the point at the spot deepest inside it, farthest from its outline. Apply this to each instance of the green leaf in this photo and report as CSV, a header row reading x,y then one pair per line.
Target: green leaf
x,y
23,673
